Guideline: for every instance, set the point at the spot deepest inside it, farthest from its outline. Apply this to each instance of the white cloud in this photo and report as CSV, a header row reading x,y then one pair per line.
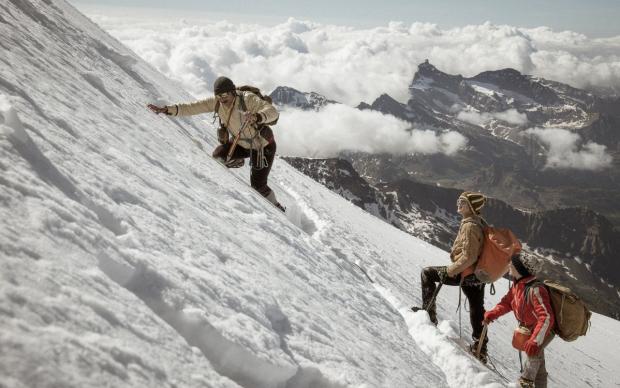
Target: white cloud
x,y
338,128
511,116
351,65
474,117
564,150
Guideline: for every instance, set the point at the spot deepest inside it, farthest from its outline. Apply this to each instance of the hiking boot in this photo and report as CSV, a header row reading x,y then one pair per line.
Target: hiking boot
x,y
431,314
483,357
525,383
235,163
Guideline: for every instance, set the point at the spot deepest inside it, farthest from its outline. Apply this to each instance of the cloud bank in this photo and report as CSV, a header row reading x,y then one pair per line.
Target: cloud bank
x,y
338,128
564,150
352,65
511,116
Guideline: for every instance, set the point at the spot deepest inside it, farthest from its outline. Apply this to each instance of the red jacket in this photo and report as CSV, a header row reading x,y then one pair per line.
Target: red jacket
x,y
536,313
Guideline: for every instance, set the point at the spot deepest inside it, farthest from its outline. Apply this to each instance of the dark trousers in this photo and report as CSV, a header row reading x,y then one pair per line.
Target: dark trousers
x,y
472,288
258,177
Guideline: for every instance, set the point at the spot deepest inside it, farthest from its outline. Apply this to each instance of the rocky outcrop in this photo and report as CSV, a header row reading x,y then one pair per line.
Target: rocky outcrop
x,y
288,96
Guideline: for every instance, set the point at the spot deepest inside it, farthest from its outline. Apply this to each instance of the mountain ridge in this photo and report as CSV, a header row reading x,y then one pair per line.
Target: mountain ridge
x,y
507,155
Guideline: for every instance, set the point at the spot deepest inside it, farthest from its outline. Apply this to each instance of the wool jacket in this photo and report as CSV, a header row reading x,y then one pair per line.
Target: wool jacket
x,y
466,247
535,313
253,103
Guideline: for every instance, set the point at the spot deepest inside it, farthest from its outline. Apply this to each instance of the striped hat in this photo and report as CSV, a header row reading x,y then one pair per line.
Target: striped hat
x,y
527,264
475,200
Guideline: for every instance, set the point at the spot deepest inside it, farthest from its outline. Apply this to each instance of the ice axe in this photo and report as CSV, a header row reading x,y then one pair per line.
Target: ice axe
x,y
430,302
233,146
481,340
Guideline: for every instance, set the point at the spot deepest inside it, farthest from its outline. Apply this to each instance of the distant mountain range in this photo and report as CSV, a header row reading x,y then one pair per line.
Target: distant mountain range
x,y
493,110
284,95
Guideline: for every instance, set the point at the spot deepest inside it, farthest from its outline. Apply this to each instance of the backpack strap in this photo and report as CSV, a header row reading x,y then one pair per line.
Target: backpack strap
x,y
242,102
216,112
528,287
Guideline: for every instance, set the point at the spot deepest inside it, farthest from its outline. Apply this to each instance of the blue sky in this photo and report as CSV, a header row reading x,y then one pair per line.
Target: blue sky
x,y
595,18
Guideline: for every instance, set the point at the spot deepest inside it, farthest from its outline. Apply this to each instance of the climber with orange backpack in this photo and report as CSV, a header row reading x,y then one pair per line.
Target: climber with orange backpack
x,y
245,117
464,255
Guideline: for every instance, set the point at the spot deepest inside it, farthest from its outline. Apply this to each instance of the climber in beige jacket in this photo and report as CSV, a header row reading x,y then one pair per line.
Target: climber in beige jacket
x,y
255,138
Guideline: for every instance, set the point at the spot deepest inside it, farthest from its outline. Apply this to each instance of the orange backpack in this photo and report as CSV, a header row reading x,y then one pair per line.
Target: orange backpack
x,y
499,246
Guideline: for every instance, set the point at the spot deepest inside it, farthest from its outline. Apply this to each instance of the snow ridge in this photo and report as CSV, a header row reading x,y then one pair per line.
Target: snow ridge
x,y
439,344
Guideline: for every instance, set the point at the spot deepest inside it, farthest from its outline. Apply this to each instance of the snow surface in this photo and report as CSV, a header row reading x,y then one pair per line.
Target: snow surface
x,y
130,258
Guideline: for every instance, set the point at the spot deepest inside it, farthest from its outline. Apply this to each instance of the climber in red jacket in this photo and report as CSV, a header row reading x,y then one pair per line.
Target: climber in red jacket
x,y
528,298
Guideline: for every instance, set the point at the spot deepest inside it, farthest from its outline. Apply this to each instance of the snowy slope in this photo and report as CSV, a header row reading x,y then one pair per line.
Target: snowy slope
x,y
394,262
131,258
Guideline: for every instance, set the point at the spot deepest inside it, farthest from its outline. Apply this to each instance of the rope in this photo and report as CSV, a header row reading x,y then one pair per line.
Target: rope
x,y
261,160
496,371
260,155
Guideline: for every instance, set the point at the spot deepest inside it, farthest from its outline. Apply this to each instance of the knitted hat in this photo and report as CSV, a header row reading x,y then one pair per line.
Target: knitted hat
x,y
526,264
476,200
223,85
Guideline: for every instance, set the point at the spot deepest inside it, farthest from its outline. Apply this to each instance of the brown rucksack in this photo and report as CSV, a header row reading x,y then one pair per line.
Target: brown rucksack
x,y
572,316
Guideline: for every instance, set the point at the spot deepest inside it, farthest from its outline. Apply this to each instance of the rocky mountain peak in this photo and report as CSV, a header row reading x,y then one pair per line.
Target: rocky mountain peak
x,y
426,68
428,75
513,80
285,95
499,75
